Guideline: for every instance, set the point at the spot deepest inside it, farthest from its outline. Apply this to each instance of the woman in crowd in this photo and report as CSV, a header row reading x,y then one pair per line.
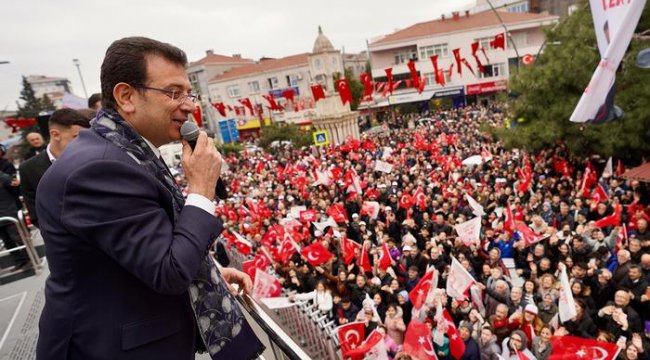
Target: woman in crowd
x,y
541,346
394,323
321,296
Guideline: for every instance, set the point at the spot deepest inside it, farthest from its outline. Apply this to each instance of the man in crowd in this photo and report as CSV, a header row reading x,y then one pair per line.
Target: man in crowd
x,y
64,126
36,145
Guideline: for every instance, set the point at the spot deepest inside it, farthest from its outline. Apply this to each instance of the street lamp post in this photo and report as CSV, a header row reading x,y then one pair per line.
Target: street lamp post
x,y
514,46
77,64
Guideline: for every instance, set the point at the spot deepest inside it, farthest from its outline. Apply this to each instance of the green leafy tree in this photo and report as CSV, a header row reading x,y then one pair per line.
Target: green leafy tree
x,y
548,91
289,132
356,87
32,106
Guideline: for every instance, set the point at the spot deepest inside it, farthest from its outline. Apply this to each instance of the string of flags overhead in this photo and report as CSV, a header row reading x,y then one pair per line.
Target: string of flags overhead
x,y
441,76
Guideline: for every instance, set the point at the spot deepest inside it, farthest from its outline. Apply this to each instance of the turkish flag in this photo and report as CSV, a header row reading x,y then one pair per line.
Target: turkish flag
x,y
459,61
620,169
456,343
389,76
265,285
351,335
406,201
337,212
242,244
261,260
370,208
197,115
434,61
475,46
348,248
418,341
221,108
588,179
420,199
307,216
414,74
247,102
366,80
364,261
316,253
287,248
273,234
373,339
578,348
528,235
288,94
509,223
317,92
418,294
598,194
272,104
344,91
385,260
499,42
613,219
249,268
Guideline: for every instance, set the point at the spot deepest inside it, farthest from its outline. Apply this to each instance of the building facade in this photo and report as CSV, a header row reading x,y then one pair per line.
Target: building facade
x,y
276,77
54,87
440,37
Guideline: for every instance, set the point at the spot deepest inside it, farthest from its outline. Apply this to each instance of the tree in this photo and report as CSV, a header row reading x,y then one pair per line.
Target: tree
x,y
355,87
32,106
547,92
288,132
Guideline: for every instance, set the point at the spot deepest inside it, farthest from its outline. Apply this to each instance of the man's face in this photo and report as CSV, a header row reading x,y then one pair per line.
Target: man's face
x,y
621,298
155,115
501,313
486,336
35,139
464,333
634,274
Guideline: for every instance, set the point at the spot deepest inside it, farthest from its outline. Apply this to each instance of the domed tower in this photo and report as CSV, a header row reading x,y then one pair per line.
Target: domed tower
x,y
331,116
325,61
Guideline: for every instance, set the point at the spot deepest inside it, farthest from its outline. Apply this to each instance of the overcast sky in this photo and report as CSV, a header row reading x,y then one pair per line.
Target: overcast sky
x,y
41,37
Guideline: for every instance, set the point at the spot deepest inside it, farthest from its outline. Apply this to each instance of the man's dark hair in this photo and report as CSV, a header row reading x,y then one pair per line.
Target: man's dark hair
x,y
126,62
93,99
66,118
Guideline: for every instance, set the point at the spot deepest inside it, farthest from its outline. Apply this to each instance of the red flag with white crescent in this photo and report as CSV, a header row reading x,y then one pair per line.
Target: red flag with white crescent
x,y
316,253
351,335
418,341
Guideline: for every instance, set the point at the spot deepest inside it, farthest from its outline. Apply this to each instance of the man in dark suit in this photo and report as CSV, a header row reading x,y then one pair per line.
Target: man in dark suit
x,y
123,246
64,125
37,145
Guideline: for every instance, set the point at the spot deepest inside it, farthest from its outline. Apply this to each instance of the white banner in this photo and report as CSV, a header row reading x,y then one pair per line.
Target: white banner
x,y
614,23
383,166
567,308
469,231
459,280
477,209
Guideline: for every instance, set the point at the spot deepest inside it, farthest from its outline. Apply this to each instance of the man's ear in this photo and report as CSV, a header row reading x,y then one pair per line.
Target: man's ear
x,y
55,134
124,94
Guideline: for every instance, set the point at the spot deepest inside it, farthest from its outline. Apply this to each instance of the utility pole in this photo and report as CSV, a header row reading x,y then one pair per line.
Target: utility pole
x,y
77,64
514,46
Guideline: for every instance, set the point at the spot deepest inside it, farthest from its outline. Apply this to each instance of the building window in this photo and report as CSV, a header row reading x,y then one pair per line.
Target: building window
x,y
520,39
317,63
254,87
402,57
519,8
493,70
429,78
484,42
233,91
292,80
273,83
439,49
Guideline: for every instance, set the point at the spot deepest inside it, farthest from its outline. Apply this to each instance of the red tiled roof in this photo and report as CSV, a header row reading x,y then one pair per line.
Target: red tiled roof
x,y
641,173
266,65
474,21
221,59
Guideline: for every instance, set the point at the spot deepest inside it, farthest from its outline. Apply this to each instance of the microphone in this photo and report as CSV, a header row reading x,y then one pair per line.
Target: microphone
x,y
190,132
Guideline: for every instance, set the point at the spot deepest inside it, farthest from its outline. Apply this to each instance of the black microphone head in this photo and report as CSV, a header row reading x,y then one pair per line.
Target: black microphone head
x,y
190,131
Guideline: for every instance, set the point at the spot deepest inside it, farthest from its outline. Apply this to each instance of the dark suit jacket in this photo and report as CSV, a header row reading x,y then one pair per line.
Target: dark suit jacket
x,y
31,172
119,267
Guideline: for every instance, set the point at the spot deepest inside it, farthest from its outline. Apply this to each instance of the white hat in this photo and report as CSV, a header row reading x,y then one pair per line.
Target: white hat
x,y
407,248
355,215
362,223
531,308
388,208
394,183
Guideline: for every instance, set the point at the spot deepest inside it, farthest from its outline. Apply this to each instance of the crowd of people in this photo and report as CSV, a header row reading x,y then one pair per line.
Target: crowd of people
x,y
421,199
